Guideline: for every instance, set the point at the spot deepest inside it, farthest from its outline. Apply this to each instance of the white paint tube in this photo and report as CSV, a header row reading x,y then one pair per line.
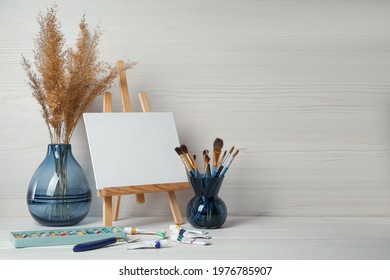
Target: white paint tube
x,y
187,233
156,244
189,240
134,230
201,232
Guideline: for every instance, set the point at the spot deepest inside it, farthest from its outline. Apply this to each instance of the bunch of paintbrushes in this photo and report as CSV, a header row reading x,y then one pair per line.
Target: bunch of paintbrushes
x,y
217,168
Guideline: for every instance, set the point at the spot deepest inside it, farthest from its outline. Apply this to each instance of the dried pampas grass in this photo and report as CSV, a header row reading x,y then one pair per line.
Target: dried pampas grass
x,y
65,82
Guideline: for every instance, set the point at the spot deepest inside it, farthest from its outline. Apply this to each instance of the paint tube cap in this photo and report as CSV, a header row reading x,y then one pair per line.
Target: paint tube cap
x,y
175,237
161,234
174,227
130,230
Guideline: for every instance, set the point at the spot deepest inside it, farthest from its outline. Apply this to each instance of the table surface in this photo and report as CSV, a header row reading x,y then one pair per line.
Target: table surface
x,y
253,237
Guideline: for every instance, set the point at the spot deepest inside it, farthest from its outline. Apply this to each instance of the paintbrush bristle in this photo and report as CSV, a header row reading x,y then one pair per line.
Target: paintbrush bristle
x,y
222,158
186,154
224,154
231,150
205,152
218,144
179,151
236,153
184,149
207,159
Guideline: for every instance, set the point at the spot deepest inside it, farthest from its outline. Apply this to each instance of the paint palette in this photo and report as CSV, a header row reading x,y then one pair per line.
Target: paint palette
x,y
68,236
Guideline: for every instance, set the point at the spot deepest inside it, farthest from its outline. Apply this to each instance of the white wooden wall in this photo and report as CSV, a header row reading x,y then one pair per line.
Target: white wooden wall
x,y
302,87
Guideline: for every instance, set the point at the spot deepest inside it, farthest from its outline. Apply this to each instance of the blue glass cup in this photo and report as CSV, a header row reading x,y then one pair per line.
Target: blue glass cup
x,y
206,209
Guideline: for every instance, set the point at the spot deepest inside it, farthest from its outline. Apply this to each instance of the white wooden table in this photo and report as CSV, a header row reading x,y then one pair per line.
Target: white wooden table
x,y
251,238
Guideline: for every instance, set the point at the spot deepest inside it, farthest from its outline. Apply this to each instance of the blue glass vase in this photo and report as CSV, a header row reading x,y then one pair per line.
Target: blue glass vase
x,y
206,209
58,193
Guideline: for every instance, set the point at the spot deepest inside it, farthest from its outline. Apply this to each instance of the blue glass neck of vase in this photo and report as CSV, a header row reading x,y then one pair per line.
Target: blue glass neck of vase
x,y
207,187
59,149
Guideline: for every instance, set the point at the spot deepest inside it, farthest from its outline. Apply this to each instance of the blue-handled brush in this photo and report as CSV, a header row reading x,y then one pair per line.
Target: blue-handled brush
x,y
97,244
185,162
208,171
196,171
230,162
224,162
218,145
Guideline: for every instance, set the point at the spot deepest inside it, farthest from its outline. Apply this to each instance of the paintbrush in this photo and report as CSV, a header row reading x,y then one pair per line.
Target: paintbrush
x,y
225,162
207,161
97,244
195,167
187,155
218,145
230,162
205,153
184,160
222,158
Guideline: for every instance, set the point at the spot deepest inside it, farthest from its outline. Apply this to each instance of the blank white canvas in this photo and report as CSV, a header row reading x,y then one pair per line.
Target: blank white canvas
x,y
129,149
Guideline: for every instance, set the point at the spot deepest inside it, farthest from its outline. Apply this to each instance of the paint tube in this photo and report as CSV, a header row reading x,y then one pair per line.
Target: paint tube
x,y
187,233
147,244
199,232
134,230
189,240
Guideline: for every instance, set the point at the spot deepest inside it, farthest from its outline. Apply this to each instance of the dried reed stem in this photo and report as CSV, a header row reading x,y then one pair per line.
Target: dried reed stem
x,y
65,82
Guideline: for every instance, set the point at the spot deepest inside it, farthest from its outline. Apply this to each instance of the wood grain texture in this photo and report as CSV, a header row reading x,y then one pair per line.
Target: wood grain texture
x,y
301,87
110,191
266,238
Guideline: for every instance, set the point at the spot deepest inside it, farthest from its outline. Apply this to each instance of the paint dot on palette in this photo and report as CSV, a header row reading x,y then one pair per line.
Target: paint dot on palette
x,y
114,230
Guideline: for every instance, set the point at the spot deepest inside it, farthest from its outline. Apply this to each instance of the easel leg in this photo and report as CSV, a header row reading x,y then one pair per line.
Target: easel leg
x,y
107,211
174,207
140,198
117,203
126,107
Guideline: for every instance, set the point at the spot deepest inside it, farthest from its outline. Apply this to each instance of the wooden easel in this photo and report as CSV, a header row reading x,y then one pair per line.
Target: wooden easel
x,y
110,211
